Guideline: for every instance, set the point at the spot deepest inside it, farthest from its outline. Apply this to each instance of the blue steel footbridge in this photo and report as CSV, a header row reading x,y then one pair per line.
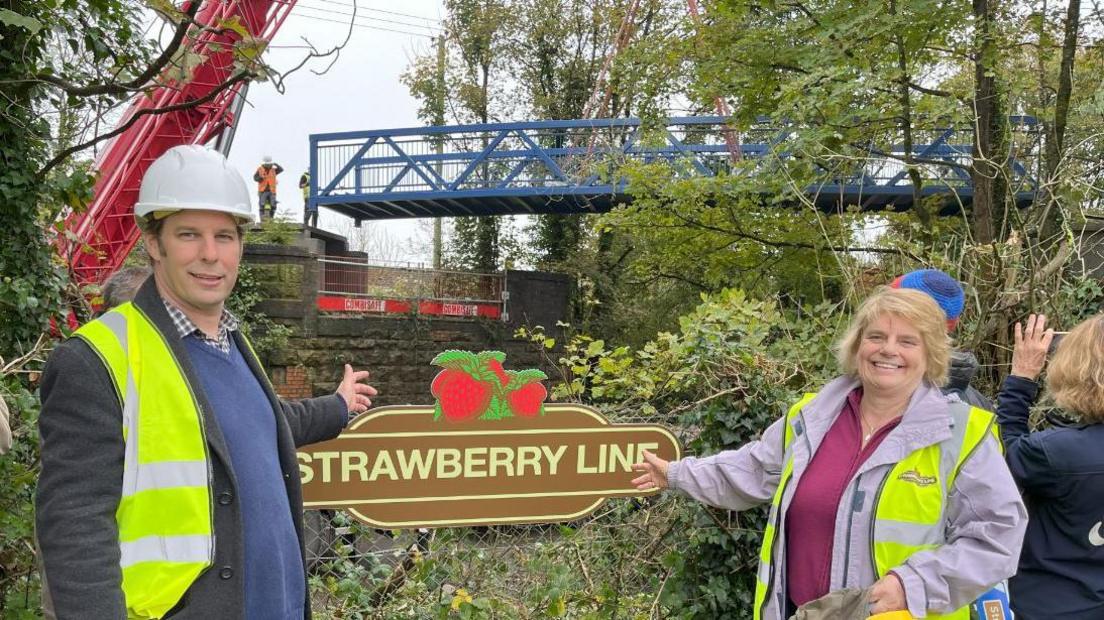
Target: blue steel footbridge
x,y
575,166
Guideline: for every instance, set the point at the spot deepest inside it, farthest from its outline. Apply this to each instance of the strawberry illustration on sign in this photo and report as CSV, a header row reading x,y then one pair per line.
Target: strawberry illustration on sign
x,y
527,398
477,386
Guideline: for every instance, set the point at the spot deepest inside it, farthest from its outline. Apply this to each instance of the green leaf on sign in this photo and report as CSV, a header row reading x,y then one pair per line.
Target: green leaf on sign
x,y
453,359
496,410
486,356
524,377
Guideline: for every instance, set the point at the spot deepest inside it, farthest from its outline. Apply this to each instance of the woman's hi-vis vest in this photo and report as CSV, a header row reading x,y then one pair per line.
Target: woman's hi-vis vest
x,y
166,536
268,179
908,507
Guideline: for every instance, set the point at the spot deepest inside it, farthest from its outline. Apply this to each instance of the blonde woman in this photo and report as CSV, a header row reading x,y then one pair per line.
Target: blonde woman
x,y
878,481
1061,472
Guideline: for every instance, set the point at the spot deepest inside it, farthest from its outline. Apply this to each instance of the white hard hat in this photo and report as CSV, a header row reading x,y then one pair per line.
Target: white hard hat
x,y
268,159
193,177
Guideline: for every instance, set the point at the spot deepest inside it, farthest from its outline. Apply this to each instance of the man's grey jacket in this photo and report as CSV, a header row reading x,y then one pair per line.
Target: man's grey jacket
x,y
82,471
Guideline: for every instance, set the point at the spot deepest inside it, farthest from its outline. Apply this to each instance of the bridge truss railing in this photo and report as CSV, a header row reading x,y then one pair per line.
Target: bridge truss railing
x,y
549,158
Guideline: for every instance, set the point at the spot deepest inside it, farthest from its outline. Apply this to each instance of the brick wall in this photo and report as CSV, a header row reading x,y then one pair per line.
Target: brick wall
x,y
396,349
291,382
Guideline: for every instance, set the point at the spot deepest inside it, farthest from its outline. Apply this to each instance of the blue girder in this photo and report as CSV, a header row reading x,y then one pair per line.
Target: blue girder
x,y
573,166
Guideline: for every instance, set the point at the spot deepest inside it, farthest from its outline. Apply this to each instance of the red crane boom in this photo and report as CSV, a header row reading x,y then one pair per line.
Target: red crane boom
x,y
108,225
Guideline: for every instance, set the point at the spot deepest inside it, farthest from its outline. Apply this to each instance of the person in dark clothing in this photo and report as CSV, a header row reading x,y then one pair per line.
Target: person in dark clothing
x,y
1060,470
964,365
948,293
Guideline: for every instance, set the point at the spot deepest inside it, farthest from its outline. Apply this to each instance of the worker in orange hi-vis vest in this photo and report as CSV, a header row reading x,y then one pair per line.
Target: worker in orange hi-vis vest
x,y
265,176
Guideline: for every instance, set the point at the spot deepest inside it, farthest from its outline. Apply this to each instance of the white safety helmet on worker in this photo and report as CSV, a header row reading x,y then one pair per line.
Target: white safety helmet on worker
x,y
196,178
268,159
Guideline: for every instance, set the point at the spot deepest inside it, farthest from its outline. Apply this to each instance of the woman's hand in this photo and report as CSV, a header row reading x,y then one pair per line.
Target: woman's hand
x,y
887,594
654,473
1032,343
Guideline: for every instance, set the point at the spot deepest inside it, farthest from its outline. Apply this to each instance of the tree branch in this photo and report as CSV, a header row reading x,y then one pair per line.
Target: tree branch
x,y
914,160
931,91
139,81
63,155
278,77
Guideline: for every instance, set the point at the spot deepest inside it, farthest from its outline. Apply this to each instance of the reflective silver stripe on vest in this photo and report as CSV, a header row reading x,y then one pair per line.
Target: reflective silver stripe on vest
x,y
170,474
764,572
912,534
165,549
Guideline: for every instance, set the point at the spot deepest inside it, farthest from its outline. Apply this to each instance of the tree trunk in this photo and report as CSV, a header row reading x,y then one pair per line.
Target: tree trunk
x,y
904,98
1051,216
990,152
486,236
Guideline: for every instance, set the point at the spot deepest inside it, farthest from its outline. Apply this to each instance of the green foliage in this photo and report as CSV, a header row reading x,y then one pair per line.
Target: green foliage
x,y
266,335
276,231
1079,298
728,335
19,583
734,366
705,234
32,282
473,244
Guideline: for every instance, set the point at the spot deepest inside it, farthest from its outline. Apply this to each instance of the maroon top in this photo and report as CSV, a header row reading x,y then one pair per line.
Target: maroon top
x,y
811,518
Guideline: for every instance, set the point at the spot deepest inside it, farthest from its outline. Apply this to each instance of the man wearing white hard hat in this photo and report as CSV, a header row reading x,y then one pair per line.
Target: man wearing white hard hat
x,y
265,176
169,481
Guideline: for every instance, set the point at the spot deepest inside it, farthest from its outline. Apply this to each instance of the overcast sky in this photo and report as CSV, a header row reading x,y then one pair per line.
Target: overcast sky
x,y
360,91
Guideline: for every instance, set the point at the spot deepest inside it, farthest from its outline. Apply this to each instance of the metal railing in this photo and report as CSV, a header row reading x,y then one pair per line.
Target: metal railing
x,y
353,285
573,165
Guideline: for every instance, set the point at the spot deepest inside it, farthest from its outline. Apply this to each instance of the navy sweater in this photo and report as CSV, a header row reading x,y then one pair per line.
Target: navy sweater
x,y
1061,472
274,582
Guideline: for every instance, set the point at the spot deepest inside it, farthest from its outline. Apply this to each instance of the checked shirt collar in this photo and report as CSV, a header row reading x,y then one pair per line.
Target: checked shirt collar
x,y
185,327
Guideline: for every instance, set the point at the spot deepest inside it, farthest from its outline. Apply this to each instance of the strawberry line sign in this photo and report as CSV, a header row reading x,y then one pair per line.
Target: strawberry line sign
x,y
488,451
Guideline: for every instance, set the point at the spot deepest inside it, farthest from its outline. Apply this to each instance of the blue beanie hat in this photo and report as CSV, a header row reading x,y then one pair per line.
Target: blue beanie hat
x,y
945,290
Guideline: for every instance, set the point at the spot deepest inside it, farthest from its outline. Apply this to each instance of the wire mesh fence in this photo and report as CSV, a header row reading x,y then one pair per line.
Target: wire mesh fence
x,y
611,560
351,285
349,276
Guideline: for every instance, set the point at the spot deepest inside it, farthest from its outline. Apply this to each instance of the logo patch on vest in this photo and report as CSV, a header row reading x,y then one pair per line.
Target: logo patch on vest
x,y
994,610
917,478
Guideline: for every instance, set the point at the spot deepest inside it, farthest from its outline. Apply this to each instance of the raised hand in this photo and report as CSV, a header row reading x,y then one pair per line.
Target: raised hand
x,y
355,393
1032,343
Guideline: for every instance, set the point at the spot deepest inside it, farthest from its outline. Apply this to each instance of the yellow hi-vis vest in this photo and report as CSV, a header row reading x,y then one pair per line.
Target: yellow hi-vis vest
x,y
908,517
166,536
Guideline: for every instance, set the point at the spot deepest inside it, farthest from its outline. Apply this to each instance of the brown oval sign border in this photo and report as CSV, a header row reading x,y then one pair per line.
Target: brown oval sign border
x,y
398,467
